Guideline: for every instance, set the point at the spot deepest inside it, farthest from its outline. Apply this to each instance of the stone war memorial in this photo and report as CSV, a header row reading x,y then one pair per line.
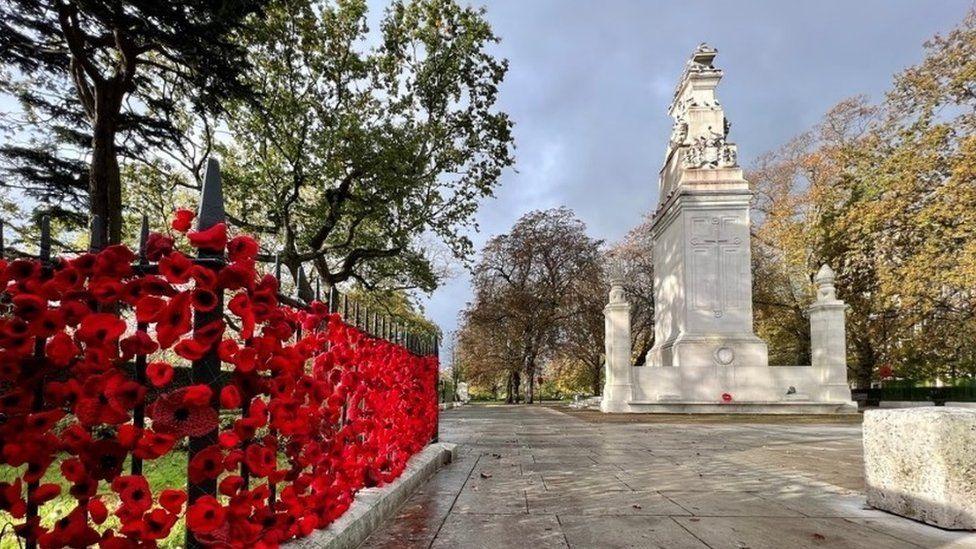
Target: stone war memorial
x,y
706,357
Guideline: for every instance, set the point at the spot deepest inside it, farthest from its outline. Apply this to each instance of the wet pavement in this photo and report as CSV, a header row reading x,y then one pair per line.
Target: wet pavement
x,y
537,477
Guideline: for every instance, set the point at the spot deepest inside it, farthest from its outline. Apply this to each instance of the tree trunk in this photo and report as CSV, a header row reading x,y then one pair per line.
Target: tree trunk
x,y
104,183
530,372
597,386
303,285
866,361
804,353
516,387
510,389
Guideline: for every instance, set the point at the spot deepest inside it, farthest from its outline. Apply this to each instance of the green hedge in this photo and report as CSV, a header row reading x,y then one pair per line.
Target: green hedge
x,y
959,393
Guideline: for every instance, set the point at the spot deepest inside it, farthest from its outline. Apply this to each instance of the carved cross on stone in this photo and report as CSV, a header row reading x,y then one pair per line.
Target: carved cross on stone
x,y
714,255
716,240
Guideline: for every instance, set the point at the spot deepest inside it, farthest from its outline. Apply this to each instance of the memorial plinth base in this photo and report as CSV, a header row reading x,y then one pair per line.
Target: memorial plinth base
x,y
737,390
776,408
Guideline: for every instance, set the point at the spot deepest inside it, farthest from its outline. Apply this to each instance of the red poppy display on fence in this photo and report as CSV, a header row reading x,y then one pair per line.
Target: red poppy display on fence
x,y
308,408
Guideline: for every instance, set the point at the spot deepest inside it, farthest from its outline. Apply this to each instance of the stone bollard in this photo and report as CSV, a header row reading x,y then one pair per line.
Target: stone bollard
x,y
920,463
828,339
617,387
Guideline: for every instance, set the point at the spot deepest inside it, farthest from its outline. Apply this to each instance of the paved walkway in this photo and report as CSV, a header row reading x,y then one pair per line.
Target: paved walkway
x,y
537,477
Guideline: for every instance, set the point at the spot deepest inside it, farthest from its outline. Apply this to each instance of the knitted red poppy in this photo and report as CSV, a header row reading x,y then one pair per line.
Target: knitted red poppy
x,y
152,445
103,459
159,373
134,492
182,220
171,414
206,464
205,515
242,248
157,246
175,267
172,500
213,239
100,329
60,349
174,321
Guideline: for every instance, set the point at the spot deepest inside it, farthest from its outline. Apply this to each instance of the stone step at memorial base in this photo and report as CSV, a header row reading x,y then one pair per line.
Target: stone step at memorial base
x,y
756,407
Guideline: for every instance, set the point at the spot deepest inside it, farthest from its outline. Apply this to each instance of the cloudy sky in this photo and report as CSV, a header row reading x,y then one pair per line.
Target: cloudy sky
x,y
590,82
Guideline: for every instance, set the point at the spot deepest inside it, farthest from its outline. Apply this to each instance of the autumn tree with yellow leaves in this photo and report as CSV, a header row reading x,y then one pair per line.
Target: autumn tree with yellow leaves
x,y
885,194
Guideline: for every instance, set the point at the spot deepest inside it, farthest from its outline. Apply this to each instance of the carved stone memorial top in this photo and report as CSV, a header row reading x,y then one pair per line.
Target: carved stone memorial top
x,y
699,134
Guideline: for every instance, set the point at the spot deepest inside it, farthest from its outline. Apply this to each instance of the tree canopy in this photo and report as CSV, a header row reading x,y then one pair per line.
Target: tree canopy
x,y
96,80
363,156
531,289
886,195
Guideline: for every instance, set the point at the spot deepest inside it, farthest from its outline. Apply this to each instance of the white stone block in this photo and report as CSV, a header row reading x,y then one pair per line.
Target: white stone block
x,y
921,463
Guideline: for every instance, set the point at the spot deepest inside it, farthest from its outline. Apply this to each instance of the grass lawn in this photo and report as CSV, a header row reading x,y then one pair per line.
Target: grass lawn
x,y
169,471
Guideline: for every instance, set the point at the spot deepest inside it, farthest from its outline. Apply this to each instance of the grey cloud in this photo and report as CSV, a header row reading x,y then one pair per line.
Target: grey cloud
x,y
590,83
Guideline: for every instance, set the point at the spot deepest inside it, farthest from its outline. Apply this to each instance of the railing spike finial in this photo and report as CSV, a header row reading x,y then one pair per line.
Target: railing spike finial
x,y
277,267
318,289
301,281
206,369
45,251
144,240
211,210
96,233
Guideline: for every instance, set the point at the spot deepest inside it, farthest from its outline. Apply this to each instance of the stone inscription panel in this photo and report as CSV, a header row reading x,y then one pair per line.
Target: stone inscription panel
x,y
717,262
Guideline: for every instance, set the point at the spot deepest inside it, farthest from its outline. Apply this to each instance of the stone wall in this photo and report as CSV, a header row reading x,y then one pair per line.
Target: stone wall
x,y
921,463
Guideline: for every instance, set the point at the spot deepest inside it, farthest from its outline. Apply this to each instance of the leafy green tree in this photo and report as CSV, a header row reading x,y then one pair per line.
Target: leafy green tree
x,y
361,149
96,80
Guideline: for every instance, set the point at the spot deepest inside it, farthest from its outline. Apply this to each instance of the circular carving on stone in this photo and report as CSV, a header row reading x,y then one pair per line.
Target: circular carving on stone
x,y
724,355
